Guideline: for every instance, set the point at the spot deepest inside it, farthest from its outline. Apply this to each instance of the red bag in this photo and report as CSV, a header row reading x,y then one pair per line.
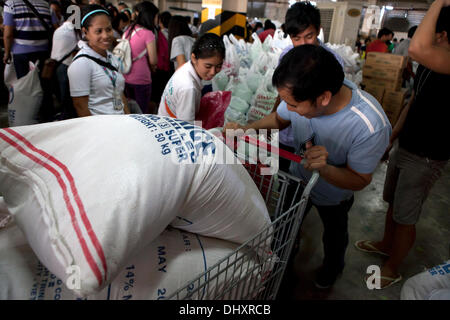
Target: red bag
x,y
163,52
212,109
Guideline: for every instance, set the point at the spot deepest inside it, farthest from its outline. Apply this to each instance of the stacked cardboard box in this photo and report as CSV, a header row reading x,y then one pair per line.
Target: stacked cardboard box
x,y
393,102
382,77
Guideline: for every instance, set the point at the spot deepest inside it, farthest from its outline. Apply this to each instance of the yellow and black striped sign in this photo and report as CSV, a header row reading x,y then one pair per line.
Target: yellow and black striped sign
x,y
225,22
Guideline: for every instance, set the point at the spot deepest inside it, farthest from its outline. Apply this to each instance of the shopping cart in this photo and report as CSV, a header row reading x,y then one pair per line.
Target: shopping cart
x,y
250,272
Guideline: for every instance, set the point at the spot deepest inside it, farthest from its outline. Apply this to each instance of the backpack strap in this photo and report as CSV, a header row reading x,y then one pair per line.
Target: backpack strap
x,y
132,34
98,61
140,55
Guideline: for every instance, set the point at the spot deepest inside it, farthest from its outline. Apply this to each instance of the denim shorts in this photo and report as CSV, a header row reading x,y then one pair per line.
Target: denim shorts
x,y
409,179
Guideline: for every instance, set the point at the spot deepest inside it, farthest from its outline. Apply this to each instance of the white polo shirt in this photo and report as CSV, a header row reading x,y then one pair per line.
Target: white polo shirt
x,y
181,45
88,78
182,94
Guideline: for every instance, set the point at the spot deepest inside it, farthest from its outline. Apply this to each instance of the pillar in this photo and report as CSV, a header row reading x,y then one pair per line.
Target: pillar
x,y
227,16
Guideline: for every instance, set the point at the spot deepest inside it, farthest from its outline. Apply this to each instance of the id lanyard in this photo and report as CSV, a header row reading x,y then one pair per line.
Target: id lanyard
x,y
117,99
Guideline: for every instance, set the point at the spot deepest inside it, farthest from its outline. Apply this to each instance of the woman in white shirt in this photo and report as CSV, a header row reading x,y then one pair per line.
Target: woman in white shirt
x,y
181,97
96,88
180,41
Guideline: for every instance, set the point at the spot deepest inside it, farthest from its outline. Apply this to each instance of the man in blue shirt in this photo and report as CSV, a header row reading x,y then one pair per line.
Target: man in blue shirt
x,y
340,130
302,24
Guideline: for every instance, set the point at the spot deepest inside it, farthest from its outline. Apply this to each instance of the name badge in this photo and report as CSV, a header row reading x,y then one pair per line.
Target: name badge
x,y
117,100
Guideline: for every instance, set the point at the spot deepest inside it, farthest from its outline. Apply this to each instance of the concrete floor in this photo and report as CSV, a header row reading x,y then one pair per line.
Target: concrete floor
x,y
366,221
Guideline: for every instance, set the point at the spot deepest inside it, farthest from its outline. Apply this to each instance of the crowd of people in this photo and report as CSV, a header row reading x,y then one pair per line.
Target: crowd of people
x,y
86,74
384,42
341,130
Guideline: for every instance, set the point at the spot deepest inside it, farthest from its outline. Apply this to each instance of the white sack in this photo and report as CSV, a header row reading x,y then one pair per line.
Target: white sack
x,y
94,191
432,284
169,262
25,98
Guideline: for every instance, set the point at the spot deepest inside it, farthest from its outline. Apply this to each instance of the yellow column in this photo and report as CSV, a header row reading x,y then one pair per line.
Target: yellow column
x,y
226,17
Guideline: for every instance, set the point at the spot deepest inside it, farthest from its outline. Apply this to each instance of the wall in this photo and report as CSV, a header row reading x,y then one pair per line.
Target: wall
x,y
276,11
344,28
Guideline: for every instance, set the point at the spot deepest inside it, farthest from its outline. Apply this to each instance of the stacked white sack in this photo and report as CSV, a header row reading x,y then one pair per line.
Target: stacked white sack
x,y
94,191
170,261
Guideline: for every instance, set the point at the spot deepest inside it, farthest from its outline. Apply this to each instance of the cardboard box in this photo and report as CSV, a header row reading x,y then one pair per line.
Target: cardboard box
x,y
393,103
383,60
376,91
392,112
394,97
385,73
394,85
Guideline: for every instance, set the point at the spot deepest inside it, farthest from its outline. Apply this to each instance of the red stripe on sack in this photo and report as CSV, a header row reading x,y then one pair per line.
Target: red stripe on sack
x,y
83,244
77,198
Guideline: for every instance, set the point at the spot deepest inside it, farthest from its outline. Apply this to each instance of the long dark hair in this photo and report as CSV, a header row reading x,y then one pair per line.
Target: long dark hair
x,y
178,27
147,12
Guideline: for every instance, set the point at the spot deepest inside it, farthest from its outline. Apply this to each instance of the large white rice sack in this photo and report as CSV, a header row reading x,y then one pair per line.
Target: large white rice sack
x,y
168,263
432,284
92,192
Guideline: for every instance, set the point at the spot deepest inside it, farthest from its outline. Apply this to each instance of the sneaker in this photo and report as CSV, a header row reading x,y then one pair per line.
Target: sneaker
x,y
325,278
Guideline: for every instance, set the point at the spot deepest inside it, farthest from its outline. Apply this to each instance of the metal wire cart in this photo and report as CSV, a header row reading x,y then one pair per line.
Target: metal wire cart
x,y
255,269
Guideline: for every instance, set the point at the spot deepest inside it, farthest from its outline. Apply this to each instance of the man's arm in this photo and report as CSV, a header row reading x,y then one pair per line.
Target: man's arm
x,y
271,121
422,48
8,37
126,108
398,127
344,178
180,60
81,106
401,119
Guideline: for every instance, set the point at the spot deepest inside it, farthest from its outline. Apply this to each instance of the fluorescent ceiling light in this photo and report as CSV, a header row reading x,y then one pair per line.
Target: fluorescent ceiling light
x,y
389,8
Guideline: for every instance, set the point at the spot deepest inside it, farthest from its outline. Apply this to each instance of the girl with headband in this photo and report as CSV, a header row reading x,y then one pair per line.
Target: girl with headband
x,y
96,86
181,97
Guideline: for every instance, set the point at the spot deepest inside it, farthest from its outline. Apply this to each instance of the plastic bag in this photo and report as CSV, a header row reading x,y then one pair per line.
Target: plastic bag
x,y
212,109
256,49
220,81
279,41
254,79
266,95
239,105
25,98
231,63
10,74
232,115
241,90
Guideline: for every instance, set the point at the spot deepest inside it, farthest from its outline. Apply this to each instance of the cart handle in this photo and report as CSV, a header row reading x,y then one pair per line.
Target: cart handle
x,y
287,155
282,153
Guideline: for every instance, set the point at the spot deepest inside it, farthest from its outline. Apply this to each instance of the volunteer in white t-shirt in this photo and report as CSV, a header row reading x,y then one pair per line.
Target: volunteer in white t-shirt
x,y
96,88
181,97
